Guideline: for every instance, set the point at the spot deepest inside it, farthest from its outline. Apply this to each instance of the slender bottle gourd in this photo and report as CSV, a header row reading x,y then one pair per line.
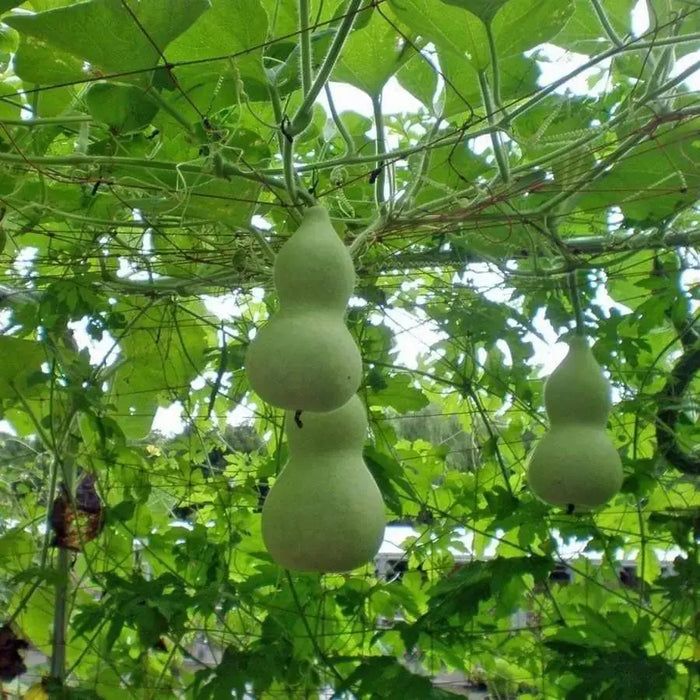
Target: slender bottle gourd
x,y
304,358
576,464
325,511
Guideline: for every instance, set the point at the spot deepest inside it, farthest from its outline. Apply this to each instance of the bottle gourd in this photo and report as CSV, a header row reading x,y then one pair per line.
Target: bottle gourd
x,y
325,511
576,464
304,358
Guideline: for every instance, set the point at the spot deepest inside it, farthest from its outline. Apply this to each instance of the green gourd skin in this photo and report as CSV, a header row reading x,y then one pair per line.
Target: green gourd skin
x,y
577,391
575,463
325,512
305,358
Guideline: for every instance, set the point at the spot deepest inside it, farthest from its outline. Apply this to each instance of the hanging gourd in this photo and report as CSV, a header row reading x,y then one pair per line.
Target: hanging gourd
x,y
304,358
576,463
325,511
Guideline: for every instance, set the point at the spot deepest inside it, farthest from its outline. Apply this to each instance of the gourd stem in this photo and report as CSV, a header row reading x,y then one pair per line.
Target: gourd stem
x,y
288,164
576,303
342,130
305,46
499,149
379,172
299,122
605,22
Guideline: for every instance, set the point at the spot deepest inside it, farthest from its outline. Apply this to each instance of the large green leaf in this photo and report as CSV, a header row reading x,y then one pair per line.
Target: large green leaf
x,y
371,56
20,369
37,61
138,33
521,24
655,179
449,28
485,10
230,28
121,106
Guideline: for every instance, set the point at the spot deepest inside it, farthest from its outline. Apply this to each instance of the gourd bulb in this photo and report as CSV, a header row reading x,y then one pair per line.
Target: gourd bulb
x,y
577,391
575,464
305,358
314,267
304,361
325,512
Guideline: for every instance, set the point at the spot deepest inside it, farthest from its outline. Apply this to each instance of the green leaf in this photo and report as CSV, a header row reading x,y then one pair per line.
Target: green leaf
x,y
584,32
121,106
137,35
420,78
20,369
228,28
658,177
485,10
371,56
6,5
450,29
521,24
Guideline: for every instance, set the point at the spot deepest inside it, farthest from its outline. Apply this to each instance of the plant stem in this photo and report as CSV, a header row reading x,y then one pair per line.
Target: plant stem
x,y
66,462
498,147
48,121
305,46
300,119
423,163
77,159
260,237
576,303
380,150
345,134
290,176
496,76
605,21
167,107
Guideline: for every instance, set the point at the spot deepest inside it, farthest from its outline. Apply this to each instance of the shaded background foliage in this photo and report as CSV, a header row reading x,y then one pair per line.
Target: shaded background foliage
x,y
154,155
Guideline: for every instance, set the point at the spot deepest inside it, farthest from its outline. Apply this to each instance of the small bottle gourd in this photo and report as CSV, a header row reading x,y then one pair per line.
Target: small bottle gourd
x,y
576,464
325,511
304,358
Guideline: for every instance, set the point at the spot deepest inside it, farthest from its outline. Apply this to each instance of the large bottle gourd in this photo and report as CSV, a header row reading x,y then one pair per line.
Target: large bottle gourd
x,y
304,358
325,511
576,464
